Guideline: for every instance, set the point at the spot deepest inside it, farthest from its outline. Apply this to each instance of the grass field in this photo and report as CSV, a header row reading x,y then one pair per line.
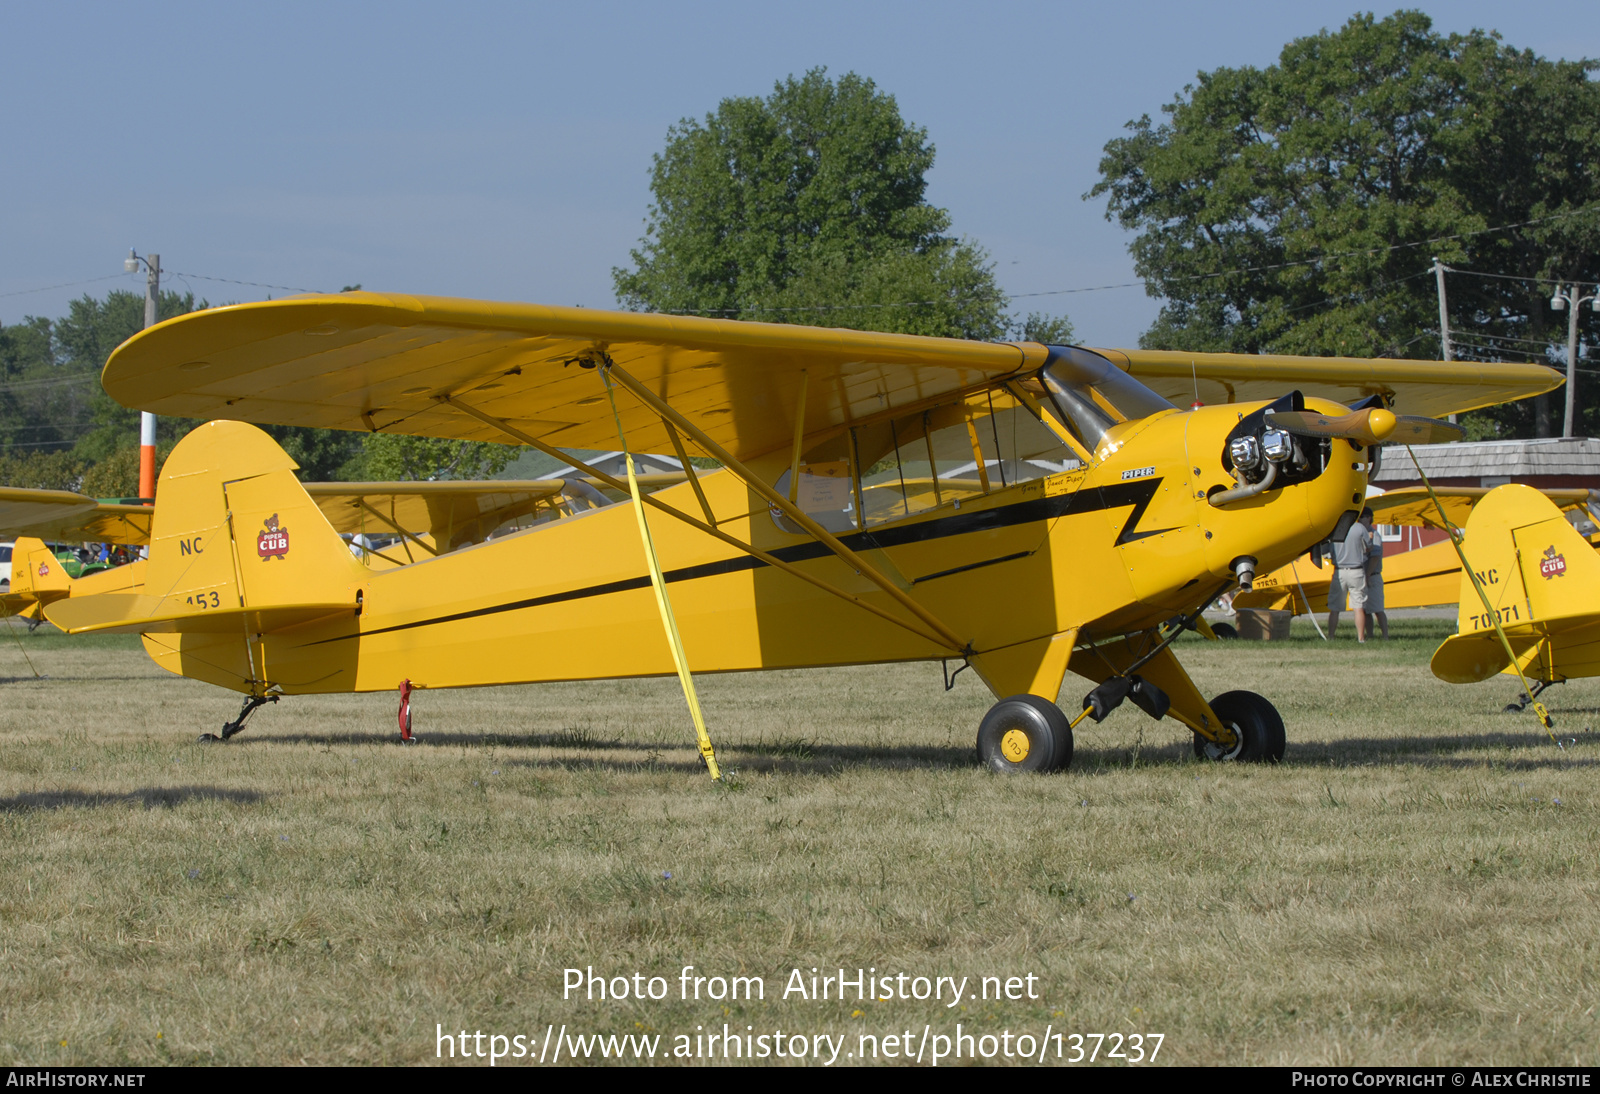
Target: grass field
x,y
1417,883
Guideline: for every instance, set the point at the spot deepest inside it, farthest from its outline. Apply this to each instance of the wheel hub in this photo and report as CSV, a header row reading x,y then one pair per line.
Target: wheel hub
x,y
1214,751
1014,745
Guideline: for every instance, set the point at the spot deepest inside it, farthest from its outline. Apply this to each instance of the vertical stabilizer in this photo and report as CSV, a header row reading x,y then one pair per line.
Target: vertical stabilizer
x,y
235,529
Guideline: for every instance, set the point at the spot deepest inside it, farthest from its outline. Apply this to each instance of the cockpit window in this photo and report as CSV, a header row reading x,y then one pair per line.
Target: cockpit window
x,y
1091,396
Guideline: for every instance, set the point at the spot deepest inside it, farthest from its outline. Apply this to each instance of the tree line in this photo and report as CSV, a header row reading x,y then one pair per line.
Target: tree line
x,y
59,430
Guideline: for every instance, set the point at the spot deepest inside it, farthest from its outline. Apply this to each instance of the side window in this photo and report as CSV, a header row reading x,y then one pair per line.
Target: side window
x,y
897,468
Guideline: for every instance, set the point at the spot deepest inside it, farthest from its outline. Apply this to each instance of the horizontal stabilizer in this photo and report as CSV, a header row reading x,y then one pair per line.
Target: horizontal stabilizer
x,y
138,613
1469,658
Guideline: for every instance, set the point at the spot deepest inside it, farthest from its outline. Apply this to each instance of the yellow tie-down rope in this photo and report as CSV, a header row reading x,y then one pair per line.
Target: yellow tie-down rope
x,y
1483,597
659,583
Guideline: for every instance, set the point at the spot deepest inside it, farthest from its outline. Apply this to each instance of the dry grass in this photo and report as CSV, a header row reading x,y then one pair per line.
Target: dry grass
x,y
1406,888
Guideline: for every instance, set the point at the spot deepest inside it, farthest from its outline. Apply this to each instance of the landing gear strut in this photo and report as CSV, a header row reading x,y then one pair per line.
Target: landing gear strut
x,y
251,702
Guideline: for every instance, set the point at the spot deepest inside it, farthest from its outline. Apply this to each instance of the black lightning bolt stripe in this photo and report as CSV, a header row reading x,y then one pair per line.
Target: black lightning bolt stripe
x,y
1137,494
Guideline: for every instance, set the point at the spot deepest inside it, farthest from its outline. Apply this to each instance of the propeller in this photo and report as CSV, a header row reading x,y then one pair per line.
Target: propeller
x,y
1413,429
1364,427
1367,427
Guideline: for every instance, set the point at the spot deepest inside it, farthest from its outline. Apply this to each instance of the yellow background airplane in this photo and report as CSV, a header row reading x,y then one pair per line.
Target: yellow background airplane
x,y
1032,510
37,575
1419,578
1542,581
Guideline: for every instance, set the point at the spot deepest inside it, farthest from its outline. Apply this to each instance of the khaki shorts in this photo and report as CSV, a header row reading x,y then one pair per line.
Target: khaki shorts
x,y
1353,582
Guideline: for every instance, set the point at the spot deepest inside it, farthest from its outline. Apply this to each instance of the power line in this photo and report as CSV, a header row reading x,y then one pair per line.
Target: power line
x,y
62,285
1515,277
253,284
50,381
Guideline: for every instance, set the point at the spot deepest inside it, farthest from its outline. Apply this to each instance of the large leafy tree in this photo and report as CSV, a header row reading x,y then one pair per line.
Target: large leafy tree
x,y
808,206
1297,208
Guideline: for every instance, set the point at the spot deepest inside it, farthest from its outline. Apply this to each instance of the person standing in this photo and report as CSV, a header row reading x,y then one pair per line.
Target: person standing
x,y
1375,577
1350,557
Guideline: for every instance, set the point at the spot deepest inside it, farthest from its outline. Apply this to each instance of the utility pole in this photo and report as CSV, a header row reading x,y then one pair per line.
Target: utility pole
x,y
1439,269
147,421
1570,302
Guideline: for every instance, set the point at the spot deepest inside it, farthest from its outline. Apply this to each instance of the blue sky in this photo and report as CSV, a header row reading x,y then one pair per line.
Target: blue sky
x,y
503,150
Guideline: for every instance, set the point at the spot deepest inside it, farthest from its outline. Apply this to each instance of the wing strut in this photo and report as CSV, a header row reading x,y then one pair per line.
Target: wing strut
x,y
403,533
680,659
788,508
522,437
1488,608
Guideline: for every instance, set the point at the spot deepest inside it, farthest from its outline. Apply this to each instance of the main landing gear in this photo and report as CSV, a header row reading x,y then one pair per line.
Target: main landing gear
x,y
1025,733
1257,729
1028,734
251,702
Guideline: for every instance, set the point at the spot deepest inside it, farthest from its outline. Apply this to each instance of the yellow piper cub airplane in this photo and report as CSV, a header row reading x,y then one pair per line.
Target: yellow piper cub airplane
x,y
1417,578
1029,509
1542,582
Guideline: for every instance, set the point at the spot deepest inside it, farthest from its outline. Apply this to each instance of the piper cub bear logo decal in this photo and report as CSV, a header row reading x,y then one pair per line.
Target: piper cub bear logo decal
x,y
1552,564
272,541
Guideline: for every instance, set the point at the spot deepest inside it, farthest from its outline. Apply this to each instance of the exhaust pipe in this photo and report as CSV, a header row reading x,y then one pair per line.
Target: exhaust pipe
x,y
1240,492
1244,569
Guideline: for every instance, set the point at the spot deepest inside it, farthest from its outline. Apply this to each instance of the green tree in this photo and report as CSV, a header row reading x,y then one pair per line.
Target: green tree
x,y
42,403
391,457
84,340
808,206
1051,330
1290,209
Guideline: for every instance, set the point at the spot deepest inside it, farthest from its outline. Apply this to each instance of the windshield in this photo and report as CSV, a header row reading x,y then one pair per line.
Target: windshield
x,y
1091,396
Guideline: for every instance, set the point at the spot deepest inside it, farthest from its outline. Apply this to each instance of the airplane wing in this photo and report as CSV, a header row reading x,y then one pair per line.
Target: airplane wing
x,y
451,513
1411,505
365,361
1428,388
61,515
374,362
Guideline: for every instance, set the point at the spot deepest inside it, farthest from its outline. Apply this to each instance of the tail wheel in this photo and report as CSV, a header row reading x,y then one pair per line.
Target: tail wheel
x,y
1024,734
1256,724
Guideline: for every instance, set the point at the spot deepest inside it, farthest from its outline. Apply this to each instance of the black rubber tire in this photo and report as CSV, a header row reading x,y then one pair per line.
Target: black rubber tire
x,y
1257,724
1224,630
1043,727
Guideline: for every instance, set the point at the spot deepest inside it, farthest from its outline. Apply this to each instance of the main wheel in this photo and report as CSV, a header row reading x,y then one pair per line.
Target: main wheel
x,y
1224,630
1255,722
1025,733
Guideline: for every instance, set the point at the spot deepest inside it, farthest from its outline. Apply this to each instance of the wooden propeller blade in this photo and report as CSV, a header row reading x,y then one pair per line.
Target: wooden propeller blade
x,y
1411,429
1364,427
